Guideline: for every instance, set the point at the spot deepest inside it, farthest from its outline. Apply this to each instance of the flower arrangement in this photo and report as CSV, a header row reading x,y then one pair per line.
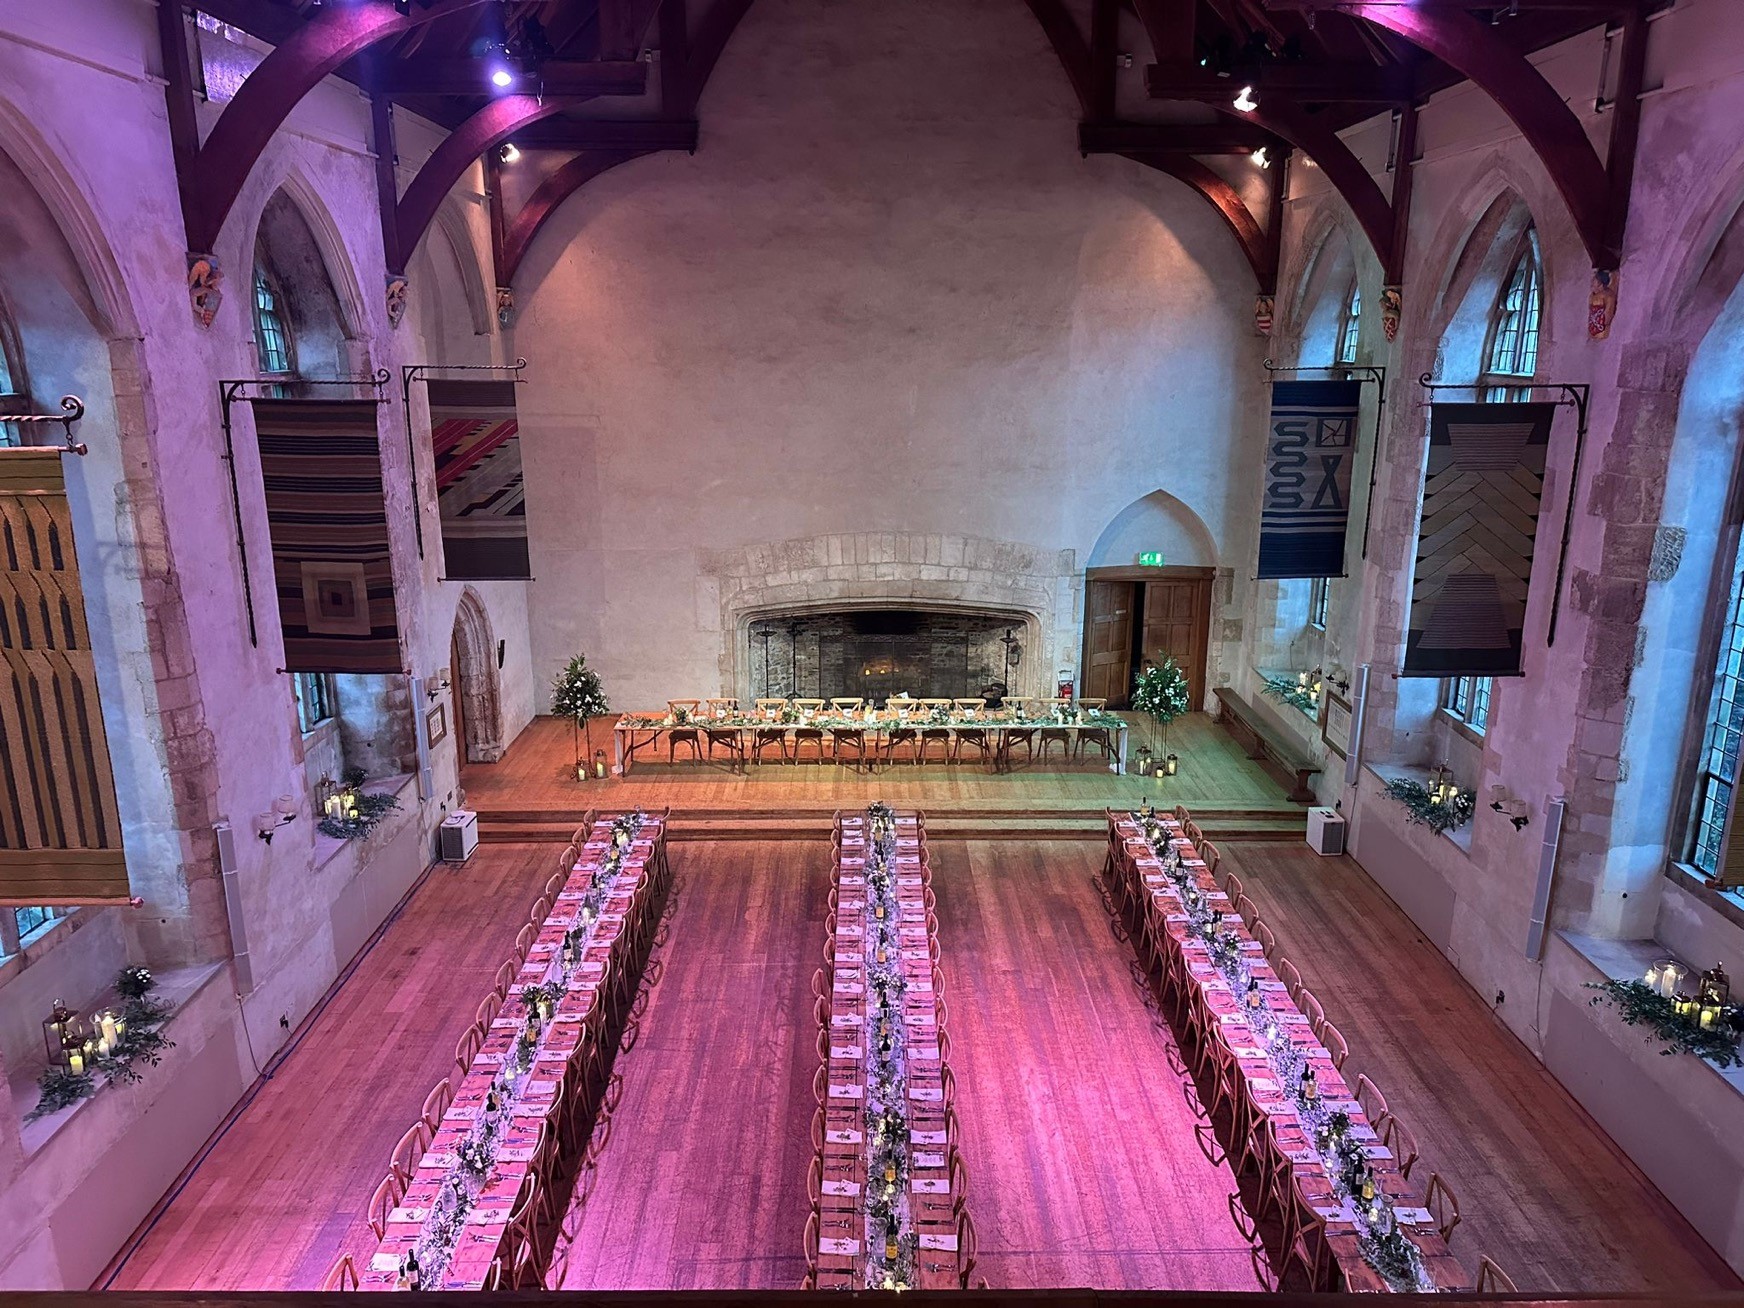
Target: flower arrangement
x,y
576,694
788,714
1423,809
137,1039
1296,694
1640,1005
1160,693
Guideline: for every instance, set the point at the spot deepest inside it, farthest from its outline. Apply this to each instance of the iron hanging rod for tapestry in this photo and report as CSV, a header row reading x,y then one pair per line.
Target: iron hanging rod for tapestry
x,y
411,372
229,390
72,409
1376,374
1575,395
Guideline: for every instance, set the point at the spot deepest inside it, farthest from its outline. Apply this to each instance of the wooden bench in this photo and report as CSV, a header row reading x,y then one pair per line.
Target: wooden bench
x,y
1262,740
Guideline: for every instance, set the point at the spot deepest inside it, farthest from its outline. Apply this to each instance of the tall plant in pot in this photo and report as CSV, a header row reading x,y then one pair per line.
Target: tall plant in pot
x,y
1160,693
578,696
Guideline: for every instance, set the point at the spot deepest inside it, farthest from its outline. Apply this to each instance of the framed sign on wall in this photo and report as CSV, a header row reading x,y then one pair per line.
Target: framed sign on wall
x,y
1335,723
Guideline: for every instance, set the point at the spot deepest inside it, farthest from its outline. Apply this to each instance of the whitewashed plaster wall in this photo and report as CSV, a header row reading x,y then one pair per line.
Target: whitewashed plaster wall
x,y
886,298
80,97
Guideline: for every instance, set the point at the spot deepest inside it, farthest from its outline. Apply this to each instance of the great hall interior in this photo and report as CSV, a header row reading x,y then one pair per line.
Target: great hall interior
x,y
684,649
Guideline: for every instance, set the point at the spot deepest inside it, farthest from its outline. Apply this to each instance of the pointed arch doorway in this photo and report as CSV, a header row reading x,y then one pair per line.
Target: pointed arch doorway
x,y
478,711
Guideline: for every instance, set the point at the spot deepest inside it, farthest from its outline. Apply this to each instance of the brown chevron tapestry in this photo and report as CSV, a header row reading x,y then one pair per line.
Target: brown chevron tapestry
x,y
1474,550
60,834
320,466
474,436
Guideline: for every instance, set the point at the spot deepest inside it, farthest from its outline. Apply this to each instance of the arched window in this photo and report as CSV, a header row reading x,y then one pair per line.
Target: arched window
x,y
1717,767
1349,327
272,335
14,391
1512,356
1319,601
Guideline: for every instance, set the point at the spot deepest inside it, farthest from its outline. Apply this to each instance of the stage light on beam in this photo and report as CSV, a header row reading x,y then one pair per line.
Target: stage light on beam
x,y
510,153
1260,158
502,78
1245,101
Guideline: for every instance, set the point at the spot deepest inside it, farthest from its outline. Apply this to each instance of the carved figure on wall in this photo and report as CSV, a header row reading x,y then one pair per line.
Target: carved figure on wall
x,y
1601,303
205,287
505,305
1264,307
1392,308
397,288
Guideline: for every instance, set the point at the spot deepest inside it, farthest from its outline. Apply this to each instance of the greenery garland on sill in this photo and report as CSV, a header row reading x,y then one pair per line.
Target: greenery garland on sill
x,y
141,1042
1293,694
1640,1005
372,810
1423,809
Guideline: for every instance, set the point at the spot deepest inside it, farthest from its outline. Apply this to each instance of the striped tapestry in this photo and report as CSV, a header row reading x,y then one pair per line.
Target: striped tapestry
x,y
1474,549
1310,446
474,437
320,465
60,835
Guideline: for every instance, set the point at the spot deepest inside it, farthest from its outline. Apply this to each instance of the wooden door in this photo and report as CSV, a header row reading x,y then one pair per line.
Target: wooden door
x,y
456,702
1177,621
1108,641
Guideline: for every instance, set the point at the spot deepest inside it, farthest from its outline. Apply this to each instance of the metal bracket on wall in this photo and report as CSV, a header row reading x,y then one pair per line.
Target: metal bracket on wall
x,y
411,372
72,409
1575,395
1362,372
229,391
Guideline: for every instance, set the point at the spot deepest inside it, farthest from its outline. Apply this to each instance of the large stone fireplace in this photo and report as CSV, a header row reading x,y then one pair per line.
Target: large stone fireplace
x,y
876,613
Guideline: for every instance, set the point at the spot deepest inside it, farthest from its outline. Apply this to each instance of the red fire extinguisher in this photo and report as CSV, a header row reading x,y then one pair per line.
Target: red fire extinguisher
x,y
1064,686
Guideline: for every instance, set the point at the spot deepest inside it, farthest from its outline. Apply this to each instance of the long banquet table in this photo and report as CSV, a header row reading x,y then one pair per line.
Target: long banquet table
x,y
1188,952
849,1256
879,727
620,926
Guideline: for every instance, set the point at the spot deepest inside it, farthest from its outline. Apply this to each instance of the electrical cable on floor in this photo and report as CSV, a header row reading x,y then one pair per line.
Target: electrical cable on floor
x,y
263,1075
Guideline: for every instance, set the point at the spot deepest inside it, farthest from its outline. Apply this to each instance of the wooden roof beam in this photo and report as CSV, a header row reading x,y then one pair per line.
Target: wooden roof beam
x,y
1355,83
1233,137
472,77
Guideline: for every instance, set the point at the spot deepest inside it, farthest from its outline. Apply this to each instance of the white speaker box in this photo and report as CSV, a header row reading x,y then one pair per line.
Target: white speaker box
x,y
1325,831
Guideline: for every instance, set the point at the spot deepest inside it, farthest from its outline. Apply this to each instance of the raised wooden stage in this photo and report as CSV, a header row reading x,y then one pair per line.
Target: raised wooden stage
x,y
532,794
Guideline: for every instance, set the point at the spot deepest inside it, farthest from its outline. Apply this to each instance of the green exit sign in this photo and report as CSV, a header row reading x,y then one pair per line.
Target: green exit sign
x,y
1151,559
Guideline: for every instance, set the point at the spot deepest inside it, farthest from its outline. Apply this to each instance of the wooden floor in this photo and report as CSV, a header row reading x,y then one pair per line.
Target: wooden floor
x,y
1542,1190
702,1185
283,1192
1082,1164
538,774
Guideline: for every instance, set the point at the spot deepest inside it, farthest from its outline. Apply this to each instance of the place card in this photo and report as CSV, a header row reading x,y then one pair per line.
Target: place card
x,y
385,1262
926,1094
846,1019
441,1160
915,955
844,1051
920,1019
842,1187
842,1248
927,1159
1338,1213
1377,1153
846,1091
1414,1216
408,1214
943,1243
930,1187
844,1137
849,988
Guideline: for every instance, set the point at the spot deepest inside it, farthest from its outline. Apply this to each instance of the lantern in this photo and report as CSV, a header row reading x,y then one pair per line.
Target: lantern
x,y
62,1032
599,764
1715,988
1664,977
1145,761
1171,764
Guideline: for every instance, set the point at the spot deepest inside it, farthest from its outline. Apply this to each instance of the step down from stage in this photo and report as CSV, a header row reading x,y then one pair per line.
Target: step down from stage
x,y
523,827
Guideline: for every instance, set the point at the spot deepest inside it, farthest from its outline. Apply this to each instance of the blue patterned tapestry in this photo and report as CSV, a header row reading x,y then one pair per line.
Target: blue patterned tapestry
x,y
1310,446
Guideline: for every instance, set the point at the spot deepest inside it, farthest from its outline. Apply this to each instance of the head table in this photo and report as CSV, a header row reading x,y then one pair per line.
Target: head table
x,y
1000,728
887,1217
498,1142
1378,1234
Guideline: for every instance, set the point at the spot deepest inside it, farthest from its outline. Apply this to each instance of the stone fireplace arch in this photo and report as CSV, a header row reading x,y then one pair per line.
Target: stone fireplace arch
x,y
1035,588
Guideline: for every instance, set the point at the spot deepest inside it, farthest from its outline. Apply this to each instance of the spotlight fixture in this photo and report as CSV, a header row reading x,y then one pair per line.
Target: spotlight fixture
x,y
502,78
1245,100
1259,157
509,153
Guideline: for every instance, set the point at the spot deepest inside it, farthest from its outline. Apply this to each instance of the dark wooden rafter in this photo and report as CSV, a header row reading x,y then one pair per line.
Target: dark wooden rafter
x,y
1404,149
387,188
1342,169
1230,136
709,43
172,33
1104,50
1229,205
518,235
1625,128
1070,48
215,175
460,149
1538,112
470,77
622,25
1350,83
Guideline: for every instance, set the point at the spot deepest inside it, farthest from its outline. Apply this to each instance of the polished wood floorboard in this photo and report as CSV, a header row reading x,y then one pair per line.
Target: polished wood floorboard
x,y
702,1184
283,1193
1079,1144
537,774
1542,1190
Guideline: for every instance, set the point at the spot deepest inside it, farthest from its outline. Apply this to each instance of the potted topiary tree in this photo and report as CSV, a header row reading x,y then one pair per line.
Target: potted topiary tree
x,y
1160,693
578,696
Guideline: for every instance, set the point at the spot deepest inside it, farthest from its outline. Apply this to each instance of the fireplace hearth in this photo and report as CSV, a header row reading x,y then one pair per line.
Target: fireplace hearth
x,y
876,653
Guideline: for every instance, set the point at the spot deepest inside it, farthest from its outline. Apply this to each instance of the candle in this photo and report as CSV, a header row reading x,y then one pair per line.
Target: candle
x,y
111,1035
120,1027
76,1062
